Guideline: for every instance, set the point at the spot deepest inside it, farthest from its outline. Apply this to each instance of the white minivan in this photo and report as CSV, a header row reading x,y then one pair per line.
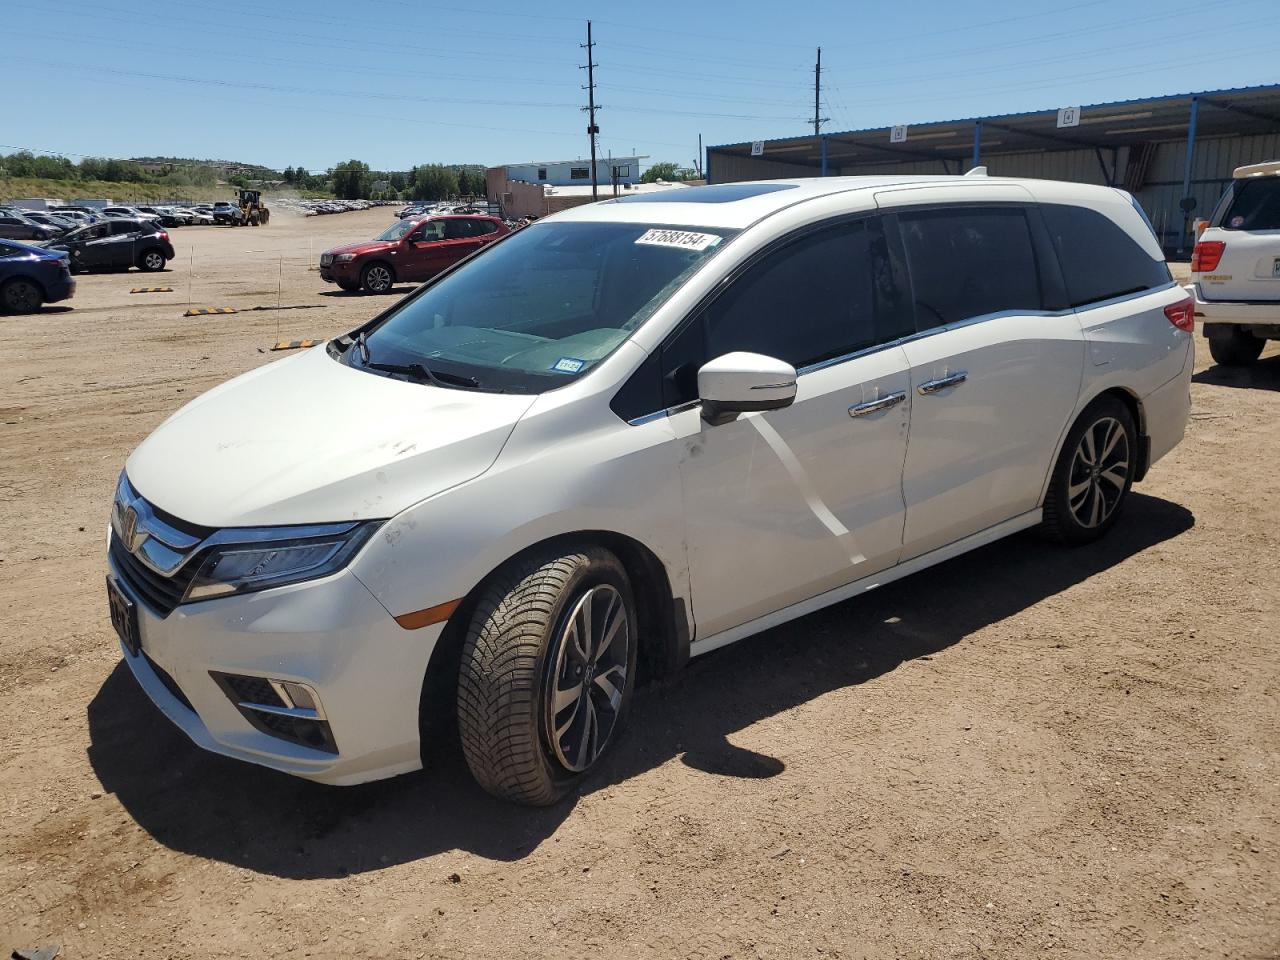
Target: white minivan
x,y
628,434
1235,268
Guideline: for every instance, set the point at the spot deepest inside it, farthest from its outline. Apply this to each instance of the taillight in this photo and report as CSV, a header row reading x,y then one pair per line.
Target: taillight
x,y
1205,257
164,234
1182,314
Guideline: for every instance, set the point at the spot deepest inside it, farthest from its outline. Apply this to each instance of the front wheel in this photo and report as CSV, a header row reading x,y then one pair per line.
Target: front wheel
x,y
1231,346
151,261
377,278
1093,474
547,673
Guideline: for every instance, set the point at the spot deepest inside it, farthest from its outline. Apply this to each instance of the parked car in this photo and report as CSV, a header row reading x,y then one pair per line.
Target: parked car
x,y
16,226
117,244
200,216
1235,268
31,276
164,215
225,212
408,251
50,220
76,217
631,433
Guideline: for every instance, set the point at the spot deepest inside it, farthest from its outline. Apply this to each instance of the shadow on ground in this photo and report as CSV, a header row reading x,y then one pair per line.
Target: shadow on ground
x,y
212,807
1263,374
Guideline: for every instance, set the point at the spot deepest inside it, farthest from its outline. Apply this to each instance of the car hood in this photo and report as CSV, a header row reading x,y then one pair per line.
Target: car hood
x,y
364,246
311,440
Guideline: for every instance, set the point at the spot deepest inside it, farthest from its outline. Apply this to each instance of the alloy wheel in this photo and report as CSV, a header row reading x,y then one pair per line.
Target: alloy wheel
x,y
378,279
588,677
154,261
1099,472
21,297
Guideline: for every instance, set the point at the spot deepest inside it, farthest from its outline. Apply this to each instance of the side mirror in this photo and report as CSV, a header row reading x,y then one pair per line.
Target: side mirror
x,y
742,382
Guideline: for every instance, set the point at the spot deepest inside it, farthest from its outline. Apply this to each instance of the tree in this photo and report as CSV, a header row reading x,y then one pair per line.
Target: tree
x,y
351,180
667,171
434,181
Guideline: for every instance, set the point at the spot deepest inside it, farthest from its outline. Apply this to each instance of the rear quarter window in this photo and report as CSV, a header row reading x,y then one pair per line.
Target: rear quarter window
x,y
1099,260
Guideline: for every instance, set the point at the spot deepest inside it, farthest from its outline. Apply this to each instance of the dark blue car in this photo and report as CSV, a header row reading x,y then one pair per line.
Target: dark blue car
x,y
30,276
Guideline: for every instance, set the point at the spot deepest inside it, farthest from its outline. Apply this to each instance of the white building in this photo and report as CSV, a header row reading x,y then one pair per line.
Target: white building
x,y
566,173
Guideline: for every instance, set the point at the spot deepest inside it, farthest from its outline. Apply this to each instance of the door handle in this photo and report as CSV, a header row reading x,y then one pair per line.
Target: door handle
x,y
874,406
934,386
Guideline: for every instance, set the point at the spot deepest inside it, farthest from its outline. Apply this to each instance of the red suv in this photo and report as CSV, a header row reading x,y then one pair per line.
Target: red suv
x,y
408,251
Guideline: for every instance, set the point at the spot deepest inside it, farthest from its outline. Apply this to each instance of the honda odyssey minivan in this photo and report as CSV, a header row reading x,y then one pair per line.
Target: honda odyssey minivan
x,y
629,434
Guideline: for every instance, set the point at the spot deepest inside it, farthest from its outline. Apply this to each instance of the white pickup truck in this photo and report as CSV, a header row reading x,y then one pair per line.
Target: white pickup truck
x,y
1235,269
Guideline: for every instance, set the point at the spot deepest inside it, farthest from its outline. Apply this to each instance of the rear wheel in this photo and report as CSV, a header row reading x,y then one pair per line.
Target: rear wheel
x,y
377,278
1232,346
21,296
547,673
151,261
1093,474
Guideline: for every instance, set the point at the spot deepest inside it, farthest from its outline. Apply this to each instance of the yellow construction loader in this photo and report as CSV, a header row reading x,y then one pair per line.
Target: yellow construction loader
x,y
252,210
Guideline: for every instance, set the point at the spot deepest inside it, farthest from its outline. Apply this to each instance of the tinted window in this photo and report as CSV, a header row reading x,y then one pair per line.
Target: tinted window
x,y
124,226
969,261
1256,205
483,227
832,292
8,251
1099,260
458,229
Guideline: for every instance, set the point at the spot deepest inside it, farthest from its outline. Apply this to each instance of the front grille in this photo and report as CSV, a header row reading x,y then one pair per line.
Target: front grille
x,y
160,593
169,683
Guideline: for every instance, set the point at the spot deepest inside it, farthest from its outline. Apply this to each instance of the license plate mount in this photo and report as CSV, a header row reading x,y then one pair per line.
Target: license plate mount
x,y
124,617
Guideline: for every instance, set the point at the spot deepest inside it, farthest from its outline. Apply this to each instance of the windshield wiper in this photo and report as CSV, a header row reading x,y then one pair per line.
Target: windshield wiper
x,y
416,370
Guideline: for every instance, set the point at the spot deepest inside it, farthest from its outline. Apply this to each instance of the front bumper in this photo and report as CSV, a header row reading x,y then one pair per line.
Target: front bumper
x,y
331,635
345,272
1249,313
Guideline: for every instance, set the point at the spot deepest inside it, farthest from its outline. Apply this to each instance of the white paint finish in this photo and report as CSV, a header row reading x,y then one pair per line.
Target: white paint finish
x,y
804,502
979,450
865,584
311,440
1247,270
742,378
755,521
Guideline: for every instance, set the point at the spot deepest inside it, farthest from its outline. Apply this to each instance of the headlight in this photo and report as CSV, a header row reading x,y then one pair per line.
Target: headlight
x,y
344,257
241,561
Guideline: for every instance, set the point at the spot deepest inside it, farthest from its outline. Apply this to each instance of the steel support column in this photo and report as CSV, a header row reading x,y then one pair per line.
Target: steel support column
x,y
824,155
1186,173
977,143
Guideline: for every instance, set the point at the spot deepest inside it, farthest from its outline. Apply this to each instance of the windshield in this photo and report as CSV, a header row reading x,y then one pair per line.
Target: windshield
x,y
396,230
544,305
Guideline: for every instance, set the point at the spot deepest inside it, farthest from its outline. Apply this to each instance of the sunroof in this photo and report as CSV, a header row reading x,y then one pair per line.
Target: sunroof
x,y
719,193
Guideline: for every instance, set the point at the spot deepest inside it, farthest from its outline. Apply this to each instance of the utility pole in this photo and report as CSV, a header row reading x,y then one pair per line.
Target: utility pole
x,y
698,162
592,129
818,120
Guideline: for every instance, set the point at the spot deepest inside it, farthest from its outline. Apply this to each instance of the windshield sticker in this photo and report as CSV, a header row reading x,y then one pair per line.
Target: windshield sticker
x,y
568,365
681,239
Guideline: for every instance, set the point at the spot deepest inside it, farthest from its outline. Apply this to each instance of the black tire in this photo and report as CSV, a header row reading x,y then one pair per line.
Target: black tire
x,y
377,277
1094,472
21,295
1231,346
151,260
349,285
518,656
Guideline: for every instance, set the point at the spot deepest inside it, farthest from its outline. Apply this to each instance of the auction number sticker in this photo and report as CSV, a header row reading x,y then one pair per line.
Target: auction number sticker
x,y
682,239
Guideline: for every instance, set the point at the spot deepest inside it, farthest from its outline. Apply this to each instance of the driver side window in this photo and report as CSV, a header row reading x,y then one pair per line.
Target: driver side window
x,y
429,232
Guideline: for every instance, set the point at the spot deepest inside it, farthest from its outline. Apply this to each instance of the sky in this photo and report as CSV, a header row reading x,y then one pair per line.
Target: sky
x,y
397,83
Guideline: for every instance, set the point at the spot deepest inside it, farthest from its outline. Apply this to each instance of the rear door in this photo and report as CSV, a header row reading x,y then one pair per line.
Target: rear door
x,y
1249,229
996,365
463,237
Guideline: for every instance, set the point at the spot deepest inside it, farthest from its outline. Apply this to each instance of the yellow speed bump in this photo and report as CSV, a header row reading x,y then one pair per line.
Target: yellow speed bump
x,y
295,344
152,290
205,311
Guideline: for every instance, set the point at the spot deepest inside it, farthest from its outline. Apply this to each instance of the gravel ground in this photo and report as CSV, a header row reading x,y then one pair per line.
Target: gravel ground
x,y
1026,752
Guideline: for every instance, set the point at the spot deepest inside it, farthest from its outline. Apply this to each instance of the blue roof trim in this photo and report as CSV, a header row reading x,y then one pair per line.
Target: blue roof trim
x,y
1047,112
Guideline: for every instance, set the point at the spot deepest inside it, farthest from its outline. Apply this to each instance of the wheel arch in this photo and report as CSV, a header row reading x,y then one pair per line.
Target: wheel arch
x,y
665,629
378,261
1134,404
29,278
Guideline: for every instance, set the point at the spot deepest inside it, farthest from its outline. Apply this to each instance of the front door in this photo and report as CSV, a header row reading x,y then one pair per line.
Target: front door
x,y
423,255
785,505
995,370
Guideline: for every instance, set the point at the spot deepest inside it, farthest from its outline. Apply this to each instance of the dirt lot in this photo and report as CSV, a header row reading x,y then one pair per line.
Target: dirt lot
x,y
1026,752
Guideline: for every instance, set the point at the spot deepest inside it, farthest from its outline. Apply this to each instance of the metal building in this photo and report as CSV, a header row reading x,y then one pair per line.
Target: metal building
x,y
1175,153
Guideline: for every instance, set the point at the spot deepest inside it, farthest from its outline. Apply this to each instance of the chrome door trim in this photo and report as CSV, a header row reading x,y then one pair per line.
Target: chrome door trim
x,y
875,406
942,383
